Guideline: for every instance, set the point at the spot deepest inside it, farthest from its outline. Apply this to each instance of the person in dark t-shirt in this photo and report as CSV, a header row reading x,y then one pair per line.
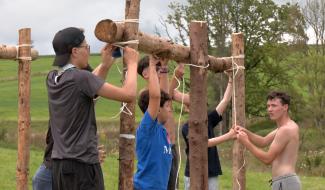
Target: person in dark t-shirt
x,y
214,117
71,90
42,180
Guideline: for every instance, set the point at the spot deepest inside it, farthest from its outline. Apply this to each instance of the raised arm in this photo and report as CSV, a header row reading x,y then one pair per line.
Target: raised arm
x,y
107,61
154,88
175,94
127,92
221,107
163,75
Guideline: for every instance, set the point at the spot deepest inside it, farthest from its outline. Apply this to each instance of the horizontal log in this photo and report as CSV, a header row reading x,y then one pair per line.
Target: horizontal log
x,y
112,32
10,52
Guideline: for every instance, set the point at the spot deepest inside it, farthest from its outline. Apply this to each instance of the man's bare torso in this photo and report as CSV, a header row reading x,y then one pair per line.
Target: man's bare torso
x,y
285,161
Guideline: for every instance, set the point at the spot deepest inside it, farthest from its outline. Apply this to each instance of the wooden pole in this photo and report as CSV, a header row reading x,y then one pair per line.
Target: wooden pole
x,y
111,32
10,52
238,111
23,108
127,122
198,131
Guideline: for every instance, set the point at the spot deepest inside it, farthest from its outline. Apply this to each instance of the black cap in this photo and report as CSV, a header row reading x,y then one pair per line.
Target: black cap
x,y
63,42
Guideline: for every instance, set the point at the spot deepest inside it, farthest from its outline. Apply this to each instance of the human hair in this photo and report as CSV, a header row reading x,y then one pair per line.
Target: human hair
x,y
282,96
142,64
143,100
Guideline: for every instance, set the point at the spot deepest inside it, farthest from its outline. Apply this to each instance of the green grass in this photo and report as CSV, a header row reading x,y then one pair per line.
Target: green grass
x,y
105,109
254,180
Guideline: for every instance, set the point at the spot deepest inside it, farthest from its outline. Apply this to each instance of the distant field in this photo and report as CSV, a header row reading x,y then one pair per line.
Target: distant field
x,y
105,109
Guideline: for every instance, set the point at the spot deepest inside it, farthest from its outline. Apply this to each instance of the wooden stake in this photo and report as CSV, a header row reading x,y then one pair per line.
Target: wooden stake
x,y
127,122
10,52
198,132
110,32
23,109
238,112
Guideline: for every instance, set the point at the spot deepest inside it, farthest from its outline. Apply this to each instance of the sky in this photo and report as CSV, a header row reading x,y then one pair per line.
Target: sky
x,y
46,17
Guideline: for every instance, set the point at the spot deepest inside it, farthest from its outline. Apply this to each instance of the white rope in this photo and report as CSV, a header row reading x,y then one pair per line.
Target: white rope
x,y
128,112
198,66
121,44
178,128
127,20
17,52
235,68
127,136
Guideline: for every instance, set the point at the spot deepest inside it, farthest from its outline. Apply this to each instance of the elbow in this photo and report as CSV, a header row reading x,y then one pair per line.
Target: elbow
x,y
130,98
267,161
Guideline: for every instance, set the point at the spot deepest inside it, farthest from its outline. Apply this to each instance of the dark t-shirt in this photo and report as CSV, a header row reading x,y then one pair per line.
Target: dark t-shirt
x,y
214,167
72,115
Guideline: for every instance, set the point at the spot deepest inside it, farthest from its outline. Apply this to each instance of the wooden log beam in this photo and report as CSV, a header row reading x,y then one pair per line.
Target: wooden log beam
x,y
127,122
198,131
10,52
238,112
22,171
111,32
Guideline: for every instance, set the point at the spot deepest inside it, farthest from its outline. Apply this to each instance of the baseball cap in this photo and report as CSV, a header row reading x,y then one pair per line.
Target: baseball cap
x,y
63,42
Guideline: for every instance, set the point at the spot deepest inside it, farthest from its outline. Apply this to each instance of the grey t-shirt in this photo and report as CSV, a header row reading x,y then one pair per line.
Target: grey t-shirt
x,y
72,114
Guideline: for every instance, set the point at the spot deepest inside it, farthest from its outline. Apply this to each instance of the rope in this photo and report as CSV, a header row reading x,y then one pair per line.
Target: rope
x,y
198,66
122,44
235,68
178,128
17,54
127,20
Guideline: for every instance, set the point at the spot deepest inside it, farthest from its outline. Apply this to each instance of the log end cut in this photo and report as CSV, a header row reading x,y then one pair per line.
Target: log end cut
x,y
106,30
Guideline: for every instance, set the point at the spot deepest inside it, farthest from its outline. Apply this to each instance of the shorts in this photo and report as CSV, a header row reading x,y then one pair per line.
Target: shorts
x,y
74,175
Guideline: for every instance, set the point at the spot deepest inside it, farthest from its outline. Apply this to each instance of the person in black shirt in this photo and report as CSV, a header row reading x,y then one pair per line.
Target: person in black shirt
x,y
214,117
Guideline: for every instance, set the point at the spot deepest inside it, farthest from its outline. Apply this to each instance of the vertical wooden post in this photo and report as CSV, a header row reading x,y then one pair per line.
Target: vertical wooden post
x,y
23,108
198,132
238,111
126,142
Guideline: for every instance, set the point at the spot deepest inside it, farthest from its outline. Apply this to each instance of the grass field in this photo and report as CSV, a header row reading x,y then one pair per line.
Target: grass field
x,y
255,180
311,160
105,109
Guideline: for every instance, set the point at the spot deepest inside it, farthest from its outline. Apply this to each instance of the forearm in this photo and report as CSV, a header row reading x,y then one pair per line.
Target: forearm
x,y
259,154
164,82
153,82
218,140
226,98
255,139
130,83
101,70
172,86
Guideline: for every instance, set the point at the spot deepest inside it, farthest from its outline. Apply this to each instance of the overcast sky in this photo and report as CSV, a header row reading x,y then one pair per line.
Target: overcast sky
x,y
46,17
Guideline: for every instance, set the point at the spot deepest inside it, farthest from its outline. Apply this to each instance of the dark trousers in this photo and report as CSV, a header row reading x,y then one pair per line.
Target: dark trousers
x,y
173,171
74,175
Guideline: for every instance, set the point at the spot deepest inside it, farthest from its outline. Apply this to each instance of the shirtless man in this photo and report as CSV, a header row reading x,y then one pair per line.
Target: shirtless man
x,y
283,141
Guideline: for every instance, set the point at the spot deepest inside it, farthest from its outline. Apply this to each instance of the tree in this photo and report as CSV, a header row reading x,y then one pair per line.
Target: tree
x,y
263,23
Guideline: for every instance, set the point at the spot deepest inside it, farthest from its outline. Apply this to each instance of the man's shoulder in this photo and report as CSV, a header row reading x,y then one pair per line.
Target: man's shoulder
x,y
288,129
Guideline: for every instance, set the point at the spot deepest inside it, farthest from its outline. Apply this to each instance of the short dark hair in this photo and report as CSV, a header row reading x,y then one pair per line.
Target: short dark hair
x,y
284,97
143,100
144,63
64,41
